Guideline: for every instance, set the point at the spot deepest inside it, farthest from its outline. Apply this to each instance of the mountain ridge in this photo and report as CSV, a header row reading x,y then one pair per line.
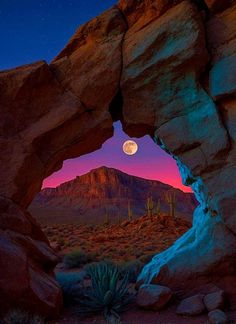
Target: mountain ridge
x,y
119,171
107,190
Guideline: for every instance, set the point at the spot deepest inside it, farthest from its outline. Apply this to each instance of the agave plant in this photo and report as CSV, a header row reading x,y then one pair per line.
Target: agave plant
x,y
109,292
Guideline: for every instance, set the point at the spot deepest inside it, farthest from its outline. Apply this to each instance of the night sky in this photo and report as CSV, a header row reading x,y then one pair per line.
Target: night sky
x,y
32,30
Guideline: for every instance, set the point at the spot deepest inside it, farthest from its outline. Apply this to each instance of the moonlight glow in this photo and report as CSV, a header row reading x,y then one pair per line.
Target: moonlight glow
x,y
130,147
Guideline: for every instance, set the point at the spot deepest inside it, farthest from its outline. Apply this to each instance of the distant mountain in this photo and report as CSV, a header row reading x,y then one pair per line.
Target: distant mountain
x,y
87,198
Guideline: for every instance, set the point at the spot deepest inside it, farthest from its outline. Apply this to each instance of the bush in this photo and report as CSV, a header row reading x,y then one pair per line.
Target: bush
x,y
72,286
18,316
77,259
133,268
109,292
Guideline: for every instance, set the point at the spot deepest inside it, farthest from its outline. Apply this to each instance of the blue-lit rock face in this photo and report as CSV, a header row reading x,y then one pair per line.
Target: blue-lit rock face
x,y
164,68
163,86
223,77
186,262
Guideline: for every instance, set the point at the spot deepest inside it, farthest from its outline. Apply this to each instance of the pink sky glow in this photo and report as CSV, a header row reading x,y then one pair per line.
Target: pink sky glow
x,y
150,162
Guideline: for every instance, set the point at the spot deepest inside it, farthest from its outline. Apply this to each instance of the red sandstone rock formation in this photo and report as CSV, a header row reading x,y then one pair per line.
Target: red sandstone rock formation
x,y
172,70
89,197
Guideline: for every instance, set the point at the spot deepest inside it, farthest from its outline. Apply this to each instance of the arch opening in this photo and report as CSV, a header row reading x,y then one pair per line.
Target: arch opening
x,y
106,194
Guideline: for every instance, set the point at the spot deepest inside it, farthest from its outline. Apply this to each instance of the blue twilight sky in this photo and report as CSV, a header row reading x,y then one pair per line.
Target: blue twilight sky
x,y
32,30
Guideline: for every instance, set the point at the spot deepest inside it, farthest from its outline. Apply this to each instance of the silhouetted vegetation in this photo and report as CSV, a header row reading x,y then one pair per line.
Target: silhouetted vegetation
x,y
149,207
171,200
78,258
130,213
158,211
109,292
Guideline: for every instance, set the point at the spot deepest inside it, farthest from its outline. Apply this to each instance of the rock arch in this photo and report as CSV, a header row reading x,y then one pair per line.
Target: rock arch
x,y
163,69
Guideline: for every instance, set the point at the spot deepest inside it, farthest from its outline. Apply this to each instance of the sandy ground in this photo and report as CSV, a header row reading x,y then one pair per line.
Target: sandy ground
x,y
138,316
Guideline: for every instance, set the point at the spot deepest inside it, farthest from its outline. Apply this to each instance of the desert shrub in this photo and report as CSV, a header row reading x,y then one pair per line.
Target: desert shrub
x,y
138,253
100,238
67,244
77,259
133,268
17,316
109,292
61,241
72,286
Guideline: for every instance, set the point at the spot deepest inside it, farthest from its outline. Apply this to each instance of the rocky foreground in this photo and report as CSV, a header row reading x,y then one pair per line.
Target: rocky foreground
x,y
131,245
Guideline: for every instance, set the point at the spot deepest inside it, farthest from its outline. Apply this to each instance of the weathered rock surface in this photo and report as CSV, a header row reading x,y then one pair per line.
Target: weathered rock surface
x,y
26,263
151,62
217,317
221,36
191,306
223,77
86,195
215,300
219,5
153,297
147,63
90,65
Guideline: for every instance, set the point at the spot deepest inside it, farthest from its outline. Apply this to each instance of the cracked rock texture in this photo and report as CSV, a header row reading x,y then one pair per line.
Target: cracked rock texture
x,y
164,68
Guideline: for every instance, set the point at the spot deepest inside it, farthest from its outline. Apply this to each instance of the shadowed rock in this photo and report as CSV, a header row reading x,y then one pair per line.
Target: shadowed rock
x,y
217,317
191,306
153,297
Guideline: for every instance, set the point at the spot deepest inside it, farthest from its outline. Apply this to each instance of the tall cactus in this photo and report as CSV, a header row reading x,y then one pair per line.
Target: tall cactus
x,y
149,207
159,208
170,198
130,213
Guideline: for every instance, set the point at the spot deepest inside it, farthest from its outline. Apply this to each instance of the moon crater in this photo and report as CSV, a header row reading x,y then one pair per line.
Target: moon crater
x,y
130,147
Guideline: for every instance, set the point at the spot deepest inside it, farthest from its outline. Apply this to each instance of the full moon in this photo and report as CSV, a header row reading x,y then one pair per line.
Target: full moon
x,y
130,147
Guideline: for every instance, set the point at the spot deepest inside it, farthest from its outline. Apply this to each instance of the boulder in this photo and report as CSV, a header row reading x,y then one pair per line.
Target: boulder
x,y
18,273
191,306
215,300
217,317
153,297
203,245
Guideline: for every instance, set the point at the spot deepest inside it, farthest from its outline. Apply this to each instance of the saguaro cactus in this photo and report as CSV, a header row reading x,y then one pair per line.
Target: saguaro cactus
x,y
130,213
158,208
149,207
170,198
